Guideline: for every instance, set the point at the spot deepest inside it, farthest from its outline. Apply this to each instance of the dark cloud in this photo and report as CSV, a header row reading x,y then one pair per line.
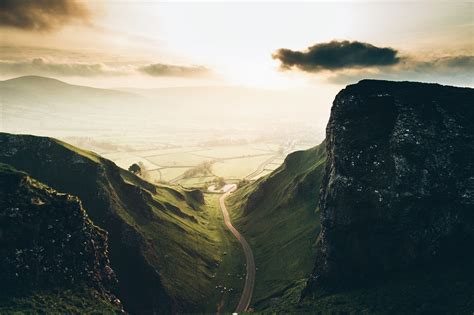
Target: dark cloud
x,y
455,70
41,15
39,66
165,70
337,55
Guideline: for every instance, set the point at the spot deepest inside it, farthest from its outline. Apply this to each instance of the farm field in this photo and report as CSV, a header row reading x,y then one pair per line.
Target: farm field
x,y
194,158
180,163
238,168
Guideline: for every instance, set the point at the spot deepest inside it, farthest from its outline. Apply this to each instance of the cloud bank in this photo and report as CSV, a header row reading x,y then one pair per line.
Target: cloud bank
x,y
455,70
336,55
39,66
165,70
41,15
80,67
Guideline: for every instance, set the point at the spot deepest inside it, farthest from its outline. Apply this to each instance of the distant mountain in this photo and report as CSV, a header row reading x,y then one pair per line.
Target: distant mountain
x,y
49,245
279,216
158,241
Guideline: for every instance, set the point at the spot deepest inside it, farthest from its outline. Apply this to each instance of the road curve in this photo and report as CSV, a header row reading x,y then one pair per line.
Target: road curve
x,y
247,292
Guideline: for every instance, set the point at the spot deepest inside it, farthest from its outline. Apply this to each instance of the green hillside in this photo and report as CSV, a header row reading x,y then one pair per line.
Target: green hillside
x,y
279,217
165,247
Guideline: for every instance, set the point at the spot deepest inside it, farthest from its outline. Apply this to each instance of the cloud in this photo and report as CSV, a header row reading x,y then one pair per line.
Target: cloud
x,y
165,70
336,55
456,70
41,15
39,66
86,68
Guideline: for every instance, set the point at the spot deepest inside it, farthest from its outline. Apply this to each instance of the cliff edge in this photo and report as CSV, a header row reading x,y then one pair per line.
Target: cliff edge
x,y
398,189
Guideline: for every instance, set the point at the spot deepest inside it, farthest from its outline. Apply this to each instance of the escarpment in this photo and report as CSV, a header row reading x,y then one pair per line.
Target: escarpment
x,y
398,189
49,243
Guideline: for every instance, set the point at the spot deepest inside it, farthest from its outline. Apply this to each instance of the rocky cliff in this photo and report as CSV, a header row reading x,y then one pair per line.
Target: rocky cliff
x,y
47,242
398,189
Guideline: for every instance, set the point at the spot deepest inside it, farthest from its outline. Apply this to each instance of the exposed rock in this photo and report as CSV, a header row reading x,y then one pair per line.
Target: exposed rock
x,y
398,189
47,240
106,196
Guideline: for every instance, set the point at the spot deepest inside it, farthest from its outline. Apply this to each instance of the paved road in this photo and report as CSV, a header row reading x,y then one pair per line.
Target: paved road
x,y
247,292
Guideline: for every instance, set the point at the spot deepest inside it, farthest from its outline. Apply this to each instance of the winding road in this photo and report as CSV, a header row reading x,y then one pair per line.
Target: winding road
x,y
247,292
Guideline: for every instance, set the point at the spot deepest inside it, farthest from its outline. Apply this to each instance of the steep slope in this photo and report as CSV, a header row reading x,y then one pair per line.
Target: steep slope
x,y
48,244
279,217
397,201
160,246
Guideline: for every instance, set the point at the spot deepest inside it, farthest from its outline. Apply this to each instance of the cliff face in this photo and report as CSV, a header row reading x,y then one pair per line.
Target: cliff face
x,y
398,188
48,242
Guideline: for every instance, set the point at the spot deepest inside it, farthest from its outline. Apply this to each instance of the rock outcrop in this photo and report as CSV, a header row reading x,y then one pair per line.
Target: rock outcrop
x,y
105,195
48,242
398,189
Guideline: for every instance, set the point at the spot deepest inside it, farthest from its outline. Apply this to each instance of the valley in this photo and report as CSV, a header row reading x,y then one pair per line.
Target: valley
x,y
236,157
170,141
250,225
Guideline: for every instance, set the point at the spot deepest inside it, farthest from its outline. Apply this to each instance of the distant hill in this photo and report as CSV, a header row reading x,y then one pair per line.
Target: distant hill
x,y
45,106
49,86
50,251
159,245
39,105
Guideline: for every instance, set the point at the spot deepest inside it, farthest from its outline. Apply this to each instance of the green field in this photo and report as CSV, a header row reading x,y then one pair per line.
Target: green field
x,y
233,151
231,162
238,168
177,159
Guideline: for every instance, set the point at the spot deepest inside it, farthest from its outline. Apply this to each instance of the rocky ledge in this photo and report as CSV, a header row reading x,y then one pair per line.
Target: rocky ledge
x,y
48,242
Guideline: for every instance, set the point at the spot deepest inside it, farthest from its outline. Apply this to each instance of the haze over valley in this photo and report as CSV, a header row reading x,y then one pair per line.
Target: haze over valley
x,y
236,157
243,132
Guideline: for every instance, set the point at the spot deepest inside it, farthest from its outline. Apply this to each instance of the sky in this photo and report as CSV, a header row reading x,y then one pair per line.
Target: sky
x,y
272,45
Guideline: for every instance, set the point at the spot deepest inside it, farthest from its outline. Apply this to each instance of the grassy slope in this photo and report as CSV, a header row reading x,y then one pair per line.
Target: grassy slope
x,y
278,215
159,228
